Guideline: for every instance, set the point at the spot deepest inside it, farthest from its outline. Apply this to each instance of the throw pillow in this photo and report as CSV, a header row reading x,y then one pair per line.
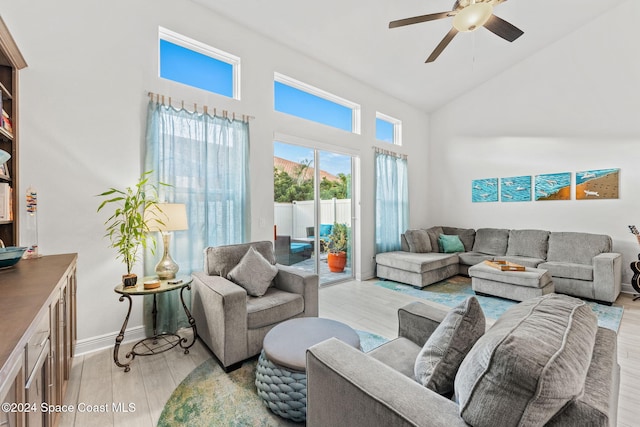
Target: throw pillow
x,y
450,244
533,361
254,273
442,354
418,241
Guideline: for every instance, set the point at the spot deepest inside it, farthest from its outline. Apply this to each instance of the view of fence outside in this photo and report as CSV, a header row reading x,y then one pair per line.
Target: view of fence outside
x,y
292,219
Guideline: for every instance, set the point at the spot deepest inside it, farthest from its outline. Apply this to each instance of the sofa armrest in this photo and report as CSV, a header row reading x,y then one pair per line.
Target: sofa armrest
x,y
607,276
348,387
219,307
417,321
300,282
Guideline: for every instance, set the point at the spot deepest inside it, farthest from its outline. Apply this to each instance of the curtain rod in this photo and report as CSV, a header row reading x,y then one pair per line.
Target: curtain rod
x,y
223,113
389,153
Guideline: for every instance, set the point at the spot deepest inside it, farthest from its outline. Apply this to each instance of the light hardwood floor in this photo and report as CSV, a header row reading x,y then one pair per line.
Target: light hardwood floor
x,y
95,380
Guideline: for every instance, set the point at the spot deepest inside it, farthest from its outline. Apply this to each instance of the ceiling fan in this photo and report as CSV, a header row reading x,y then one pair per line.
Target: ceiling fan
x,y
468,15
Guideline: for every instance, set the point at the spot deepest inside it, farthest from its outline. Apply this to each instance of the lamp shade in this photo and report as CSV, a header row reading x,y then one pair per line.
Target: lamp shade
x,y
166,217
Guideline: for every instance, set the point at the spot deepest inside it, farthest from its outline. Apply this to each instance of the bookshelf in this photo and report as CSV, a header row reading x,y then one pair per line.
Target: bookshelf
x,y
11,62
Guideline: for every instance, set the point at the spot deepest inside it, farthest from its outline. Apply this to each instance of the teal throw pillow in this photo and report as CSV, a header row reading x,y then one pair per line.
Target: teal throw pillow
x,y
450,244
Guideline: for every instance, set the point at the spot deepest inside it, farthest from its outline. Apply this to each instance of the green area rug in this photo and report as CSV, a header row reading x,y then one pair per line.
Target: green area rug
x,y
453,291
209,397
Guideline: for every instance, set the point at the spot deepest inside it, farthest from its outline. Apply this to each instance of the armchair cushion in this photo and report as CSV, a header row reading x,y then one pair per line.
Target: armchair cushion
x,y
272,308
442,354
254,273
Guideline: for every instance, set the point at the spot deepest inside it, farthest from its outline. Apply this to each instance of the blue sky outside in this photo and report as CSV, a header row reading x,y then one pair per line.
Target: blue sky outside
x,y
384,131
185,66
330,162
302,104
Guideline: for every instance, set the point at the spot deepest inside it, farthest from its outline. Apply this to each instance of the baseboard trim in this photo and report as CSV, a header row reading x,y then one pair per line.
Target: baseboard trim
x,y
628,289
89,345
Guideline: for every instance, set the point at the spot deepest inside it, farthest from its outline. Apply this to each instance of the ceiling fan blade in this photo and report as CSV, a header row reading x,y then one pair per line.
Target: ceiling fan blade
x,y
418,19
502,28
443,44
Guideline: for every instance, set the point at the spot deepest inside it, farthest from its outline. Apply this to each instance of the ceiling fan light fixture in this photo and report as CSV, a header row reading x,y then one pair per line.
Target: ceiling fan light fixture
x,y
472,17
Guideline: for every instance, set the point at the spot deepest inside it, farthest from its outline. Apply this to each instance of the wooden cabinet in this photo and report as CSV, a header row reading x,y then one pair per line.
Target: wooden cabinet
x,y
37,337
11,62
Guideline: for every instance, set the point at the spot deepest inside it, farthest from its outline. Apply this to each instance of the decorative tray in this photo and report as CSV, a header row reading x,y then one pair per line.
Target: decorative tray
x,y
505,265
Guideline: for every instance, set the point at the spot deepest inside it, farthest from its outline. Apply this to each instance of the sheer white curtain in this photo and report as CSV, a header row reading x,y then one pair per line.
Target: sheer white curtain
x,y
204,159
392,200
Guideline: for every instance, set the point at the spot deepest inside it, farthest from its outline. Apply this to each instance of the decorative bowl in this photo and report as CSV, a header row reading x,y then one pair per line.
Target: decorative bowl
x,y
10,256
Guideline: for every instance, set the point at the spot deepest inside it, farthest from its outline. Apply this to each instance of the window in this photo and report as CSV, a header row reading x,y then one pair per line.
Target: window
x,y
192,63
388,129
307,102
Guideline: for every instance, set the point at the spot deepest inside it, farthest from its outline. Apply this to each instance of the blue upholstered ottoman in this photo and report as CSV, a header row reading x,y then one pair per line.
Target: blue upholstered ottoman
x,y
281,377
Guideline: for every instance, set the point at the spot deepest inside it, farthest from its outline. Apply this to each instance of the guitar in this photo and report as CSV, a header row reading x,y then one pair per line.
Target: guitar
x,y
635,265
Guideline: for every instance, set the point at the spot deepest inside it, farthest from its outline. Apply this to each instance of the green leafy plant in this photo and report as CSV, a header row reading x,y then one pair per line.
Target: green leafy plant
x,y
126,228
338,239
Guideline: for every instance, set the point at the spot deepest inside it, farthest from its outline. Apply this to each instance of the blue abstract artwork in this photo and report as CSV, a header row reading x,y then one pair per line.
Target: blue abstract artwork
x,y
484,190
553,186
515,189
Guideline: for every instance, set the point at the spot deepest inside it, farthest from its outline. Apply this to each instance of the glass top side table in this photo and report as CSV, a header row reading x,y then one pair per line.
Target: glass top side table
x,y
158,343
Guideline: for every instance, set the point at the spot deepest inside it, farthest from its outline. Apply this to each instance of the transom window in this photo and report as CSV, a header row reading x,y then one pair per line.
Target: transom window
x,y
305,101
196,64
388,129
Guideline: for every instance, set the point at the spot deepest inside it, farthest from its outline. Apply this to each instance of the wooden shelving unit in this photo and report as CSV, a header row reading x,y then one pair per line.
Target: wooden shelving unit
x,y
11,62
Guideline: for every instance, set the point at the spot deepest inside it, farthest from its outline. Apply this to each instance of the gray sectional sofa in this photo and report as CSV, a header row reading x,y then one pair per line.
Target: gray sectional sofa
x,y
581,264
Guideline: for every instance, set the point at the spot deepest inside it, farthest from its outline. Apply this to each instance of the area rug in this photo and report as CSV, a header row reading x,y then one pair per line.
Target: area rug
x,y
209,397
453,291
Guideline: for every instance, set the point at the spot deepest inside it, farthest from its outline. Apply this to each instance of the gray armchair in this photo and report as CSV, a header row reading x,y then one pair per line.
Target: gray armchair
x,y
233,324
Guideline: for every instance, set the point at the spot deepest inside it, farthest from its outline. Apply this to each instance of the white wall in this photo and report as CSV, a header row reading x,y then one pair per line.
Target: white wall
x,y
573,106
83,108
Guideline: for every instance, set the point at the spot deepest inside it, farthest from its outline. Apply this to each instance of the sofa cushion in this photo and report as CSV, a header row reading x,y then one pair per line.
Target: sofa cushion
x,y
450,243
492,241
533,361
254,273
273,307
473,258
577,248
399,353
528,243
467,235
434,233
418,241
568,270
416,263
438,361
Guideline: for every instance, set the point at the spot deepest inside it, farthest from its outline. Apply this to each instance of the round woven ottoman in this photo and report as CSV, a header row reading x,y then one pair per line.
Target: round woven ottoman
x,y
281,379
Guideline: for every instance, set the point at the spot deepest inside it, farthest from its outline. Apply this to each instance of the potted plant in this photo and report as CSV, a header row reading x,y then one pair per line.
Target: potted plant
x,y
126,227
337,257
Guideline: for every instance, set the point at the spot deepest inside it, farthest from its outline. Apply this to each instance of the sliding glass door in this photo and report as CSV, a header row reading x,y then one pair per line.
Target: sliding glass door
x,y
313,211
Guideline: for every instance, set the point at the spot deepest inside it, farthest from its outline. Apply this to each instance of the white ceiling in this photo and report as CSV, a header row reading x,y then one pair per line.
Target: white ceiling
x,y
353,36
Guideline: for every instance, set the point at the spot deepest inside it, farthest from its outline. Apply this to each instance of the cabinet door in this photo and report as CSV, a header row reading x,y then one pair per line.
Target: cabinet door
x,y
36,389
55,359
13,393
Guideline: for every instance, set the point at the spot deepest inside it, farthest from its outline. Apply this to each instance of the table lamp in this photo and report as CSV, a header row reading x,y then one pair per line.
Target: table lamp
x,y
174,218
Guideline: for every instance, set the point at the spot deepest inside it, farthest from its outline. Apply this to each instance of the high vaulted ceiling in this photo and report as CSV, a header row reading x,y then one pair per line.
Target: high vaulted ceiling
x,y
353,36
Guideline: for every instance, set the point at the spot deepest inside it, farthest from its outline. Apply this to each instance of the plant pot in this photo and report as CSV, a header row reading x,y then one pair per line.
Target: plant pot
x,y
337,261
129,280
